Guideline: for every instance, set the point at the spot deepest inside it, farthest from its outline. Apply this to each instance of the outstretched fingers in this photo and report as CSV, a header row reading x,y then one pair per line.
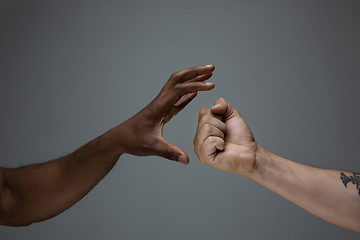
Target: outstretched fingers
x,y
179,90
201,78
185,100
176,93
188,74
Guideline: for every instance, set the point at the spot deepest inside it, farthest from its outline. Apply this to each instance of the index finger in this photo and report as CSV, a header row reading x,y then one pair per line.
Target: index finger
x,y
206,111
187,74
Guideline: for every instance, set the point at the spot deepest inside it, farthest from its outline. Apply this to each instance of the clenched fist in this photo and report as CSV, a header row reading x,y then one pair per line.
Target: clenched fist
x,y
224,141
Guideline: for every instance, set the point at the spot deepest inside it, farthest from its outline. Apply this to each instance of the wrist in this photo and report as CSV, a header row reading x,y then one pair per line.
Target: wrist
x,y
263,159
110,144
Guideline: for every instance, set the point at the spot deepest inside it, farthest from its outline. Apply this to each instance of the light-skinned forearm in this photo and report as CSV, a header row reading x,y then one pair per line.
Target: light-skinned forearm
x,y
319,191
38,192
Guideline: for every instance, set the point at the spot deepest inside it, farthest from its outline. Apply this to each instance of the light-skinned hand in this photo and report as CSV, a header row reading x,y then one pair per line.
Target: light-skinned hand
x,y
224,141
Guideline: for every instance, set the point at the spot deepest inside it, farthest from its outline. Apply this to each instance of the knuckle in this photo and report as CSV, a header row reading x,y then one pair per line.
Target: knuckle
x,y
175,75
179,89
222,99
207,118
203,111
207,128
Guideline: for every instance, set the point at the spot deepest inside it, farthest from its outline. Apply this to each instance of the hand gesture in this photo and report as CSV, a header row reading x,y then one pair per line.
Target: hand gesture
x,y
224,141
141,135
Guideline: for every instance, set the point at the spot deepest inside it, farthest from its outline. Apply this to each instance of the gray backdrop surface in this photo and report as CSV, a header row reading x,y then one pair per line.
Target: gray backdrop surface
x,y
71,70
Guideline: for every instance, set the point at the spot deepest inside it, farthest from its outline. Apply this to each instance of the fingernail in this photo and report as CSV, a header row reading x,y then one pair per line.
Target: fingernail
x,y
208,65
209,84
181,159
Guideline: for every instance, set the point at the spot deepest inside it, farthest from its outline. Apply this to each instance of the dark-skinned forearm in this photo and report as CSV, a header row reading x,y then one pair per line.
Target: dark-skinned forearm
x,y
38,192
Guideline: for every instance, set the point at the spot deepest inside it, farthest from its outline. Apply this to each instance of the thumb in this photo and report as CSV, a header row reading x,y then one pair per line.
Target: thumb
x,y
171,152
222,107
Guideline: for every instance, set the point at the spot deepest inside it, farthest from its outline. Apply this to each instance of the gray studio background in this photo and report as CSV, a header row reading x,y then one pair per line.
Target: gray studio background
x,y
71,70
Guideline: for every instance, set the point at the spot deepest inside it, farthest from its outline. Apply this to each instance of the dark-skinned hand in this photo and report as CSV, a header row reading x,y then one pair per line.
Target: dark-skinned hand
x,y
141,135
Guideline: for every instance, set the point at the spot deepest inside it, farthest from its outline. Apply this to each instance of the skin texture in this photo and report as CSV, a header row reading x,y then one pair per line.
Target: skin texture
x,y
224,141
38,192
